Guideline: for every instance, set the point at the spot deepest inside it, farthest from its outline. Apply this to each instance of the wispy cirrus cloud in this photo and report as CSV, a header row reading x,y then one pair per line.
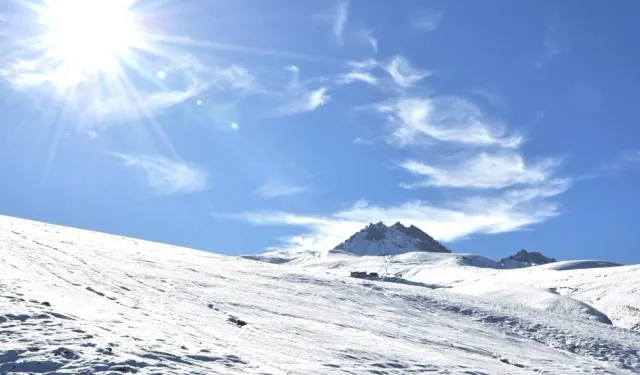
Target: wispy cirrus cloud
x,y
513,210
363,141
419,120
355,76
623,161
234,78
340,19
92,100
496,189
631,156
427,20
370,40
495,170
300,97
554,45
276,189
403,73
308,101
139,102
360,71
167,176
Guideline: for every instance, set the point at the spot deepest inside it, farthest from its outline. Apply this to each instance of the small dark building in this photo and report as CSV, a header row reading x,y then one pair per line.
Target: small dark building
x,y
374,274
359,274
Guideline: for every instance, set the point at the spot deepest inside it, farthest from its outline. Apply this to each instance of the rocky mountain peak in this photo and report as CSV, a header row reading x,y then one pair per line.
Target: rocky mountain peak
x,y
524,258
379,239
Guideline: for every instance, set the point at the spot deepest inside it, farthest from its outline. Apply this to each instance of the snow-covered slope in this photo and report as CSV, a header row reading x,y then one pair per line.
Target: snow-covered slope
x,y
595,287
579,265
379,239
77,302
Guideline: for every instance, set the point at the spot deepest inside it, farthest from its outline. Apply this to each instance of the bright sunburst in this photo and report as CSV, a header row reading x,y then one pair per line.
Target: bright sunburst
x,y
88,36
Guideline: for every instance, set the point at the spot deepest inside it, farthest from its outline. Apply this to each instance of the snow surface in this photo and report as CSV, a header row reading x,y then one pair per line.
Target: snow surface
x,y
78,302
564,287
579,265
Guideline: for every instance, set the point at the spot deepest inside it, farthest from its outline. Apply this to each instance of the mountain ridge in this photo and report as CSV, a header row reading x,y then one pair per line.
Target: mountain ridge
x,y
379,239
524,258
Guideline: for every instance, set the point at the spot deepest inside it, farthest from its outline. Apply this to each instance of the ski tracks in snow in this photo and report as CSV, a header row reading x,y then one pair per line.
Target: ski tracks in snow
x,y
76,302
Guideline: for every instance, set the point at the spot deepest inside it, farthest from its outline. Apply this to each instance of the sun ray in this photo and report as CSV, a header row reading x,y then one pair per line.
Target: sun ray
x,y
186,41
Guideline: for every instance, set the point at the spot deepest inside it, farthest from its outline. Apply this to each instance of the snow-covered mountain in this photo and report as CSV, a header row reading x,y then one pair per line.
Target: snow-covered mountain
x,y
523,258
379,239
79,302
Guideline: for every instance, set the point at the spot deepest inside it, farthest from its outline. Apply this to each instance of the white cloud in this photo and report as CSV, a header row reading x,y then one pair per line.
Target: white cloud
x,y
167,176
484,170
363,65
233,78
340,19
358,77
513,210
373,42
304,101
360,71
276,189
403,73
362,141
317,98
428,21
447,119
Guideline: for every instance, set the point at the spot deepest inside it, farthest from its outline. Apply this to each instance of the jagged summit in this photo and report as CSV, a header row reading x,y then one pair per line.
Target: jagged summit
x,y
523,258
379,239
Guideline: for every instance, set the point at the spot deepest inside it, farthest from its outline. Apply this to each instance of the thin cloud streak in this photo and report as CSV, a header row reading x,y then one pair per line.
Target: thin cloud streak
x,y
362,141
514,210
167,176
340,20
353,77
420,120
428,21
279,189
483,171
622,162
310,101
403,73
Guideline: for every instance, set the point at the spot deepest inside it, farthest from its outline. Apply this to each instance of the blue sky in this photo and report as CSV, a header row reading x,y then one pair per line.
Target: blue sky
x,y
240,126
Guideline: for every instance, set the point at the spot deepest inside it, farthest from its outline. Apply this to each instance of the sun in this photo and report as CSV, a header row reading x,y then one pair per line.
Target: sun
x,y
89,36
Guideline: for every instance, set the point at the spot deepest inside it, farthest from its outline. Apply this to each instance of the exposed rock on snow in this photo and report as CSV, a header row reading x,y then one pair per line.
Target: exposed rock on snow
x,y
523,259
379,239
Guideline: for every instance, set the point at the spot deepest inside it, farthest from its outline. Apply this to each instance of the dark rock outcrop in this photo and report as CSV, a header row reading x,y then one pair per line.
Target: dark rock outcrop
x,y
379,239
523,258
